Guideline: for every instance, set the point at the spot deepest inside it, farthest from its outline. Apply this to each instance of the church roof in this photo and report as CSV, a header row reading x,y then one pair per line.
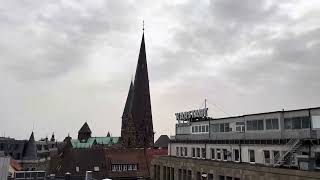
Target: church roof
x,y
85,128
128,105
94,140
30,151
141,104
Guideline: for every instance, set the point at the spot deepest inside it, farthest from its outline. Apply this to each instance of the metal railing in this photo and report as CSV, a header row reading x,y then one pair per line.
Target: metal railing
x,y
288,156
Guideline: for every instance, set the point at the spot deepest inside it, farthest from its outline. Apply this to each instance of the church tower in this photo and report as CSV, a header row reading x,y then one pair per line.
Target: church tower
x,y
137,126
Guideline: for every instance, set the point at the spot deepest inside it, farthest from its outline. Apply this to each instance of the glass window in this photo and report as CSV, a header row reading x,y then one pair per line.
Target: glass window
x,y
236,155
251,156
181,151
287,123
225,154
189,175
218,154
203,128
260,125
198,152
266,156
196,129
212,154
185,151
193,152
215,127
226,127
305,122
296,123
240,126
192,129
221,127
177,151
207,128
269,124
203,153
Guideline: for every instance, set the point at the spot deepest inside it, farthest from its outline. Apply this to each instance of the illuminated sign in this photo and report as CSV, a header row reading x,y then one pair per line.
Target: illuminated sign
x,y
192,114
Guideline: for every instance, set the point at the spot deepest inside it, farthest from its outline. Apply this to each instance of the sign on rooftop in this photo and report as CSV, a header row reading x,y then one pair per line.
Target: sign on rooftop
x,y
199,113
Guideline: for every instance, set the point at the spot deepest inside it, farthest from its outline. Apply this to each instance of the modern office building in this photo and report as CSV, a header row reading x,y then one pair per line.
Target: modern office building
x,y
285,140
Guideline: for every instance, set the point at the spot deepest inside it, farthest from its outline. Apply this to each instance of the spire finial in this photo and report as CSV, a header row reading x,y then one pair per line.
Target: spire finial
x,y
143,25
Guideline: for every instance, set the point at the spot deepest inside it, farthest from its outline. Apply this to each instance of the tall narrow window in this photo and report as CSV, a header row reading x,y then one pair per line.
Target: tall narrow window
x,y
218,154
185,151
225,154
251,156
236,155
203,153
266,156
198,152
212,154
193,152
177,151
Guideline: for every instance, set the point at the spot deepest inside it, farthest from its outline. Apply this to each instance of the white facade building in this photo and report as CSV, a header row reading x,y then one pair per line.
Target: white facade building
x,y
280,138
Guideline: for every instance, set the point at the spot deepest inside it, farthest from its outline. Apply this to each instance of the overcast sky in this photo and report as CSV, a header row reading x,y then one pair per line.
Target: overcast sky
x,y
66,62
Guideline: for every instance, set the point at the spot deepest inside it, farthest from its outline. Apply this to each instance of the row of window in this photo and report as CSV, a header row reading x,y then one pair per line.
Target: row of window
x,y
186,174
255,125
225,154
297,122
200,128
124,167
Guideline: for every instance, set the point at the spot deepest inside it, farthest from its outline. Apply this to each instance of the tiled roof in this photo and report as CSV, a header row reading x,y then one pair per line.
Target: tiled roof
x,y
94,140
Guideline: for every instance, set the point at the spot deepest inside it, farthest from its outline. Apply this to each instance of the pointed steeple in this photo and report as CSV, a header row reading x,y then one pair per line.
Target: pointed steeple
x,y
30,151
52,138
128,105
84,133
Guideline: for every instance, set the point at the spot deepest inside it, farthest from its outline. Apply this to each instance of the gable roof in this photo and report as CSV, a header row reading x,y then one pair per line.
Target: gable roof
x,y
85,128
162,142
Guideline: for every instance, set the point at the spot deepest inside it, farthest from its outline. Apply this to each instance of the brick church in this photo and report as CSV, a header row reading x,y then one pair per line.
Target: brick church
x,y
124,157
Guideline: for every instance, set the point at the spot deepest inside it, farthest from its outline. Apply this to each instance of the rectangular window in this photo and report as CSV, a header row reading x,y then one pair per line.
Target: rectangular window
x,y
193,152
184,174
251,156
266,156
287,123
225,154
181,151
296,123
96,168
305,122
177,151
185,151
215,128
203,153
192,129
272,124
218,154
212,154
254,125
240,126
236,155
203,128
221,177
221,128
198,152
207,128
196,129
276,155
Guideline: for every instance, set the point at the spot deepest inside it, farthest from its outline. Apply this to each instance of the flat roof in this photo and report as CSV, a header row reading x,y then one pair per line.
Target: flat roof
x,y
240,116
